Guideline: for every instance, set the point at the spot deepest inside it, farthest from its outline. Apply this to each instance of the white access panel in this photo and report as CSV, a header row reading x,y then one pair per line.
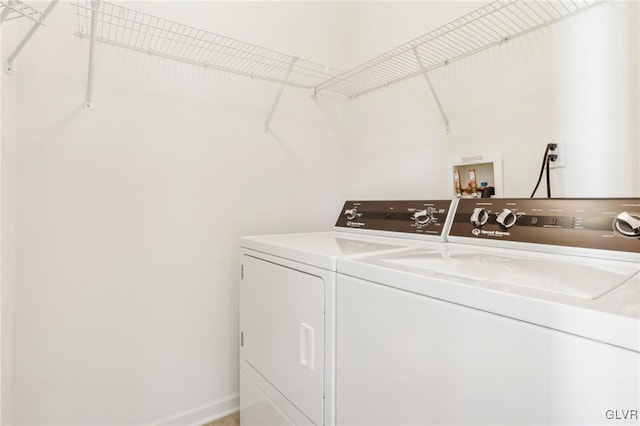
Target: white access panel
x,y
263,405
257,408
282,325
407,359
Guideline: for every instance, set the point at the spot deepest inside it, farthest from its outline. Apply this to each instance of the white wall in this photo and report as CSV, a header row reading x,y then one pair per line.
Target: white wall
x,y
577,79
7,227
128,216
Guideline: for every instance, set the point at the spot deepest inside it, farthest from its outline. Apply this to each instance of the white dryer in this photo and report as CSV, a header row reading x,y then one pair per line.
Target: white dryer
x,y
547,333
287,305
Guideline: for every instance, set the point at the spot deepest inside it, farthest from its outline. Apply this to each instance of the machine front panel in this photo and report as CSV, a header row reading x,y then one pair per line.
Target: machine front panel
x,y
426,217
608,224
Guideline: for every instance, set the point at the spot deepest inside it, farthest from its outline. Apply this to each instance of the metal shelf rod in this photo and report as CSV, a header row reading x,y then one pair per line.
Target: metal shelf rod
x,y
275,103
191,62
433,90
94,19
174,33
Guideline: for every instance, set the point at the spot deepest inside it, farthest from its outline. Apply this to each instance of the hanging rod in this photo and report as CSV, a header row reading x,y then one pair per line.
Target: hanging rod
x,y
132,29
486,27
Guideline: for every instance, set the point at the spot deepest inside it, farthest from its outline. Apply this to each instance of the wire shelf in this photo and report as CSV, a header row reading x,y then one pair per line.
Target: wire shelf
x,y
142,32
488,26
14,9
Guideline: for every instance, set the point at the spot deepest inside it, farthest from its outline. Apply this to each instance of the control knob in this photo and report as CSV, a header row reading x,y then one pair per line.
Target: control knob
x,y
627,224
423,217
479,216
507,218
351,213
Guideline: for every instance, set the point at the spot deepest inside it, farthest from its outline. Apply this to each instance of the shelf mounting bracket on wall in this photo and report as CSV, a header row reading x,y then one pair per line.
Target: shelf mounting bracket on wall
x,y
95,4
433,90
275,103
23,10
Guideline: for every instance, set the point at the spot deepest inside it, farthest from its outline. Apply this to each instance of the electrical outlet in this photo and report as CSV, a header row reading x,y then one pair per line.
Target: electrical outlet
x,y
561,158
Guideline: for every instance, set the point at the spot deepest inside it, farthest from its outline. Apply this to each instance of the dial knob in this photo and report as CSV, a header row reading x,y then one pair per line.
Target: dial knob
x,y
423,217
351,213
627,224
479,216
507,218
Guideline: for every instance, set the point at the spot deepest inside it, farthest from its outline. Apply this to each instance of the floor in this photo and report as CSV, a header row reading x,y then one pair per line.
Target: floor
x,y
230,420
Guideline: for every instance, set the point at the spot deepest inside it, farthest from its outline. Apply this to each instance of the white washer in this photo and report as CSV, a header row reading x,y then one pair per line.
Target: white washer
x,y
287,305
471,334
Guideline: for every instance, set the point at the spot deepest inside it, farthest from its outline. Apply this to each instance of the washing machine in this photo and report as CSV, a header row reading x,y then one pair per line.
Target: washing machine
x,y
529,315
287,304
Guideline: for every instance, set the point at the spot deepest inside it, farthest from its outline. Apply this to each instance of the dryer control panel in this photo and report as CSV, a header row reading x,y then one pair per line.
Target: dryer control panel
x,y
600,223
419,217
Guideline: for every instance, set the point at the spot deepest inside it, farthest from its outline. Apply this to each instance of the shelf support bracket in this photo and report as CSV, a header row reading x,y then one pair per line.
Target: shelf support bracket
x,y
433,90
95,4
8,64
275,103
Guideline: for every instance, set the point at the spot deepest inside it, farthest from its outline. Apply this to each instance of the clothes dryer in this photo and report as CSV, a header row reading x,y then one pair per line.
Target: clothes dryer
x,y
287,305
546,332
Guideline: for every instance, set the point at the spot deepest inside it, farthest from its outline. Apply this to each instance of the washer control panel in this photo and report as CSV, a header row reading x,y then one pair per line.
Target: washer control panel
x,y
602,223
426,217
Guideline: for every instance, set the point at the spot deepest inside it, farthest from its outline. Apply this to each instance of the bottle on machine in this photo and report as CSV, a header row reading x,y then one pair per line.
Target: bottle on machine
x,y
472,181
456,181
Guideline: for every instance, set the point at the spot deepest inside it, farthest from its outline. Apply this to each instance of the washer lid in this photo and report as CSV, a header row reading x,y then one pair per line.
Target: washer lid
x,y
594,298
321,249
570,276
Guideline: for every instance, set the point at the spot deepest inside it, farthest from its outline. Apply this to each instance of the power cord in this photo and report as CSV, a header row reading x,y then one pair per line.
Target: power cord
x,y
546,160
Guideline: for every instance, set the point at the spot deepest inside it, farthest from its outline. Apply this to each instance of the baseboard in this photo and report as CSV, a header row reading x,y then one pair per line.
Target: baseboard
x,y
204,414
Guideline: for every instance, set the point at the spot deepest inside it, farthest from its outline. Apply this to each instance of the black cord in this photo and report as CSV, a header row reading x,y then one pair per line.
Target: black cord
x,y
548,179
545,161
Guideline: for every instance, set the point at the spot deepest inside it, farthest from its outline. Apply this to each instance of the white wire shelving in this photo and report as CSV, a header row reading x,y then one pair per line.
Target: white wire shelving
x,y
486,27
132,29
14,9
489,26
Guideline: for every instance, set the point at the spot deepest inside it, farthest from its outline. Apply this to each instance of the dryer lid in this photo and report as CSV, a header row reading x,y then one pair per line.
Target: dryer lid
x,y
321,249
